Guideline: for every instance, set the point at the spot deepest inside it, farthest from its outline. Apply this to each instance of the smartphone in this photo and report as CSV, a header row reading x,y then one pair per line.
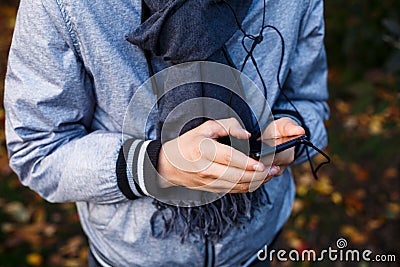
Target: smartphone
x,y
276,145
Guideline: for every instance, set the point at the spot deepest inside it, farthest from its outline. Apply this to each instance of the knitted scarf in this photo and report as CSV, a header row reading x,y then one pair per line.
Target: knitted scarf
x,y
178,31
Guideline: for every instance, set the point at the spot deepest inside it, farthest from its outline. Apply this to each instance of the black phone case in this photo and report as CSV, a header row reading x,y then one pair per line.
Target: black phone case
x,y
268,150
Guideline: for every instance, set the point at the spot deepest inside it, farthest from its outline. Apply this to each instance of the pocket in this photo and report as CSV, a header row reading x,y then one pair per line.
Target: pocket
x,y
100,215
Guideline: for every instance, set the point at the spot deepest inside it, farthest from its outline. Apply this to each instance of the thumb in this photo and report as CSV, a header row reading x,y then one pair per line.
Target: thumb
x,y
291,128
225,127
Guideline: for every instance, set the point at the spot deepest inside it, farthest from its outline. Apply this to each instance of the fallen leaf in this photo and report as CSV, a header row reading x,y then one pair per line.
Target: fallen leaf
x,y
72,247
342,106
375,125
353,201
354,234
7,227
392,210
391,173
299,222
34,259
360,173
336,198
323,186
83,253
72,263
375,224
293,240
298,205
18,211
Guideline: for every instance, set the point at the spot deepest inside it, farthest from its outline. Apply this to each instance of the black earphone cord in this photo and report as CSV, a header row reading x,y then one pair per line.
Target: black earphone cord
x,y
256,40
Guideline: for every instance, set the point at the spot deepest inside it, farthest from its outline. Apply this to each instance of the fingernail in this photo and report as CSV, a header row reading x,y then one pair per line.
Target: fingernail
x,y
259,167
248,134
273,170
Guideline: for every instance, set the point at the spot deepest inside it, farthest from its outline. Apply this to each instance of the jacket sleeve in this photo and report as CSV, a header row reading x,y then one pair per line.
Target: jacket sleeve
x,y
49,105
306,84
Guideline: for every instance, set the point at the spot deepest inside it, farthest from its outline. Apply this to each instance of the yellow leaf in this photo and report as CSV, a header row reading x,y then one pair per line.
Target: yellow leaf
x,y
350,211
9,13
375,125
298,206
299,222
393,208
323,186
342,106
34,259
354,234
336,198
302,190
72,263
83,253
364,119
375,224
305,178
295,243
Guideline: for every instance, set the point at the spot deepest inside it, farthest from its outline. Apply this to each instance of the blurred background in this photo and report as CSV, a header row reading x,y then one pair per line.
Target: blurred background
x,y
357,197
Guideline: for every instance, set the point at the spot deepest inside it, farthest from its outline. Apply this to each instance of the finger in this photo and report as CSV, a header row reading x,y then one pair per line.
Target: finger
x,y
223,186
254,185
291,129
234,175
229,156
243,186
282,169
285,157
288,127
282,127
220,128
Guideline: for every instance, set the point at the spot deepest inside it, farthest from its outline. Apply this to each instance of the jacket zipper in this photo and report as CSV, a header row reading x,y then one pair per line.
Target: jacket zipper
x,y
209,258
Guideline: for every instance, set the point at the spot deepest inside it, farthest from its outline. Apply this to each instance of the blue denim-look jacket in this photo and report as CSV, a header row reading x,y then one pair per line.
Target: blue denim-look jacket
x,y
71,75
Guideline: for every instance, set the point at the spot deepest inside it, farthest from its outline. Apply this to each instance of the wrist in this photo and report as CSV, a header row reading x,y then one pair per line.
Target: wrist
x,y
164,169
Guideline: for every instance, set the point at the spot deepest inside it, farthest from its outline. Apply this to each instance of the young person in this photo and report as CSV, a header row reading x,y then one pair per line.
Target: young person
x,y
73,69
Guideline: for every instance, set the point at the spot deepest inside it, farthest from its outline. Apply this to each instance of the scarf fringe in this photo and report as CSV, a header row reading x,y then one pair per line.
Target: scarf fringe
x,y
212,220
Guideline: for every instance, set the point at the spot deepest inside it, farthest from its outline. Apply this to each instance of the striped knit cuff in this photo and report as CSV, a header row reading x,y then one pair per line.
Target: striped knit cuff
x,y
137,168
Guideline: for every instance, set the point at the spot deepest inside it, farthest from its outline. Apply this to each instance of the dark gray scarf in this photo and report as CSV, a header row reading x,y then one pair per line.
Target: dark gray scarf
x,y
178,31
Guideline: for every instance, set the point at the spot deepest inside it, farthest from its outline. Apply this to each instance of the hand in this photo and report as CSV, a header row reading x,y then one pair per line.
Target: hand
x,y
281,128
196,160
